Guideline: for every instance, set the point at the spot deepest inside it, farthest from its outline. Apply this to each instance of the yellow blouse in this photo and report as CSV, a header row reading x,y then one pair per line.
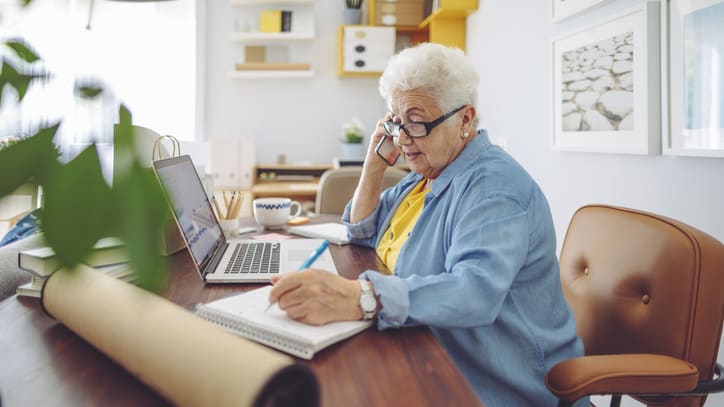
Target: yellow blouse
x,y
401,225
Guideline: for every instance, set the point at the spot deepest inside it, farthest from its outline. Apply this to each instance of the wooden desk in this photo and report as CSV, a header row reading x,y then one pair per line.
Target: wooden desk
x,y
44,363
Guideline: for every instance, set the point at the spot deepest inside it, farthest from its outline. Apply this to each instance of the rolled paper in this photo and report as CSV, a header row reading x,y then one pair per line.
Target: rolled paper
x,y
187,360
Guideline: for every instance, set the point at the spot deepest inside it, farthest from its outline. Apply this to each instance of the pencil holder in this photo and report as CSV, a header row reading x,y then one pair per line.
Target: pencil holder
x,y
230,227
352,16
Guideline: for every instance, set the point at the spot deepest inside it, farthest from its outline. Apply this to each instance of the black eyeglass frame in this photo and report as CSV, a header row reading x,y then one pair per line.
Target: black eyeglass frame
x,y
390,126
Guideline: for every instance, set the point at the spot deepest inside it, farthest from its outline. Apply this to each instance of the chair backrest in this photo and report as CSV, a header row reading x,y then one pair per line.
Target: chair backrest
x,y
336,187
642,283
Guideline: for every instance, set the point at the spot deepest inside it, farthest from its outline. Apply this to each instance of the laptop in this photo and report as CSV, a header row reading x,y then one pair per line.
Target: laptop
x,y
217,259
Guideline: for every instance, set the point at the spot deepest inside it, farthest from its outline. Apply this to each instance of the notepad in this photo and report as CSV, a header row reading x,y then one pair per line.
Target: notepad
x,y
244,315
335,233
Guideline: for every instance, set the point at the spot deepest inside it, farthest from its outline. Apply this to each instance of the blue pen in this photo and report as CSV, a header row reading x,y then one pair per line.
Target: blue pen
x,y
314,256
308,263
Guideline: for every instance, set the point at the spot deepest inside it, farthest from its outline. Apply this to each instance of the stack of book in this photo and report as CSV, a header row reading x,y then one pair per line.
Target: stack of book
x,y
109,256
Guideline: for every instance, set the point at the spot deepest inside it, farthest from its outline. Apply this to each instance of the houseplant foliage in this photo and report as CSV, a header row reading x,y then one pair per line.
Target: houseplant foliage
x,y
353,131
78,206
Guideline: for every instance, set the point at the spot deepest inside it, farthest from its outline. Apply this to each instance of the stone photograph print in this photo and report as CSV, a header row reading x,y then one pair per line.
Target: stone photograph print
x,y
597,86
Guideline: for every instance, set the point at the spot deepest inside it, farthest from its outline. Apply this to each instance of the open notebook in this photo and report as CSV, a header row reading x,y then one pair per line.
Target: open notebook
x,y
244,315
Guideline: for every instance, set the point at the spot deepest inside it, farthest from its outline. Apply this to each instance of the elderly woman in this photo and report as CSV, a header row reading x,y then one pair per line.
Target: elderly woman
x,y
468,236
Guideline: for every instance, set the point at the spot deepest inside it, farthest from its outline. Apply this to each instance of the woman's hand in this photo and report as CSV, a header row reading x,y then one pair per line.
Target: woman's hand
x,y
367,194
375,137
316,297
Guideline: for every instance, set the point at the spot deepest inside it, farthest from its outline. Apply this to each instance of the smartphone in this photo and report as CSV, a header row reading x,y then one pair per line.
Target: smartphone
x,y
387,151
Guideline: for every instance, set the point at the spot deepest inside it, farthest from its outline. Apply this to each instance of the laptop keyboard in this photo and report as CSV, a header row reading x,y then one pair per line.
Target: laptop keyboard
x,y
255,257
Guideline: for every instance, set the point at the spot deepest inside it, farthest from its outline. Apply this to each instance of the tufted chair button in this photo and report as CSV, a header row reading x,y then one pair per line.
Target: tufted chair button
x,y
645,299
586,271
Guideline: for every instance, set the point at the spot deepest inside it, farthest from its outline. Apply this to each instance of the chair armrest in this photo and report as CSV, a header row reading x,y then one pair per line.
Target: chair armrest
x,y
621,374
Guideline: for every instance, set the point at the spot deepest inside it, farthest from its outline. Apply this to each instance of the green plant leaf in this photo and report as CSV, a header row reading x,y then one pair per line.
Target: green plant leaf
x,y
141,207
76,208
89,92
143,214
33,157
19,81
22,50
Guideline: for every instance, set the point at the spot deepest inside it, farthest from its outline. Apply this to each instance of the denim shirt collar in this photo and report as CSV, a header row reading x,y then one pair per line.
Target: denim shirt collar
x,y
463,160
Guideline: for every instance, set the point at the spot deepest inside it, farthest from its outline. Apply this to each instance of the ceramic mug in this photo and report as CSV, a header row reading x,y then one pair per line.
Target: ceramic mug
x,y
273,213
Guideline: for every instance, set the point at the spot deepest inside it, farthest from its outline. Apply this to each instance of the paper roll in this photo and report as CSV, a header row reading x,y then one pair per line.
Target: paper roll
x,y
187,360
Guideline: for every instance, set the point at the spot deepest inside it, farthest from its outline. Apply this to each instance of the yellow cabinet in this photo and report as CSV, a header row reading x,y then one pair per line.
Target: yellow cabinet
x,y
444,22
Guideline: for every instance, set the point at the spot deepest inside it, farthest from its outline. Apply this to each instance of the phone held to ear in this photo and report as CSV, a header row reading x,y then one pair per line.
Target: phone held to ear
x,y
386,150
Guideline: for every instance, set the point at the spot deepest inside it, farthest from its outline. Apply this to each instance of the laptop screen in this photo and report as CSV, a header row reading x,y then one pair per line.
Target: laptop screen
x,y
191,207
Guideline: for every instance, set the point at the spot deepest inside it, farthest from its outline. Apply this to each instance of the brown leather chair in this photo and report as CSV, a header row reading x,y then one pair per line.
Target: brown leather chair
x,y
648,296
336,187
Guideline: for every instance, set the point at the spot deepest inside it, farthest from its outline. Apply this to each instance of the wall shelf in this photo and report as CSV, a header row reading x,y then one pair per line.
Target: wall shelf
x,y
267,49
445,25
268,2
260,37
269,74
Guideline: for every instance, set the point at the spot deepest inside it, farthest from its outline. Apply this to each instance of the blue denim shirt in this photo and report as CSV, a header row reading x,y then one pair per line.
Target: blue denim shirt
x,y
480,269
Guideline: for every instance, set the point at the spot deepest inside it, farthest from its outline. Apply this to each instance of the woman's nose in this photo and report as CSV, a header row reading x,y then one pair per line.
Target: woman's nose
x,y
403,138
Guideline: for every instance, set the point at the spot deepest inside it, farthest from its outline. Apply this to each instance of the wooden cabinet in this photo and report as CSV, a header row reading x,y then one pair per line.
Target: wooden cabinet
x,y
278,33
364,50
398,13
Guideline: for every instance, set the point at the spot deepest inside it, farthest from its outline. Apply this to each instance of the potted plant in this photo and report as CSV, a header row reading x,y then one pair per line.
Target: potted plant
x,y
353,12
79,207
352,146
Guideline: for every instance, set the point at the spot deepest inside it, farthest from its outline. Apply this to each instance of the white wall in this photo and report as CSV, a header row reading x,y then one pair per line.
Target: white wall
x,y
299,117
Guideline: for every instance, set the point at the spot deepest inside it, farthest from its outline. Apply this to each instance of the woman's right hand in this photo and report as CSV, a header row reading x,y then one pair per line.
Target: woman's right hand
x,y
367,194
379,132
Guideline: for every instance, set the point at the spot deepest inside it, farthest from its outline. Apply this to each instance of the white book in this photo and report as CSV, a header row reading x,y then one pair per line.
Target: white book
x,y
31,289
244,314
335,233
34,288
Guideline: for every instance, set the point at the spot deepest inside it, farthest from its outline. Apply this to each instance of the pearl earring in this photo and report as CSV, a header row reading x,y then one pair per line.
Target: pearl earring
x,y
465,135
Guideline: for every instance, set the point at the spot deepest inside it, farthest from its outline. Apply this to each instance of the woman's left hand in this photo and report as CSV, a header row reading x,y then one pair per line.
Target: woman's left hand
x,y
316,297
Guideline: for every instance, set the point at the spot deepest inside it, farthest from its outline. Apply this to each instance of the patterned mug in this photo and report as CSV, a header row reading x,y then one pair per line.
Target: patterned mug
x,y
273,213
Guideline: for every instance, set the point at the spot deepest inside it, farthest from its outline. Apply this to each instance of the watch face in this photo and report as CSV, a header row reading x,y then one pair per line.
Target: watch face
x,y
368,303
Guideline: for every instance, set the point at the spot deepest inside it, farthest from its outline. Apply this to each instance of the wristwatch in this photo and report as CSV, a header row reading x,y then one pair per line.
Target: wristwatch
x,y
367,300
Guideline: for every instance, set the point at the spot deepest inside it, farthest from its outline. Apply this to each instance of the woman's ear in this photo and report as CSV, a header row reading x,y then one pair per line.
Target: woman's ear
x,y
468,117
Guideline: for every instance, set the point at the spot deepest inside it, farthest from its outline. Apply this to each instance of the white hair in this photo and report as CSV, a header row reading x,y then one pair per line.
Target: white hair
x,y
443,73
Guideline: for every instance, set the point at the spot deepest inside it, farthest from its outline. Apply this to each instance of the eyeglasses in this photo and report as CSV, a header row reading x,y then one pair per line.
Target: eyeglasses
x,y
417,129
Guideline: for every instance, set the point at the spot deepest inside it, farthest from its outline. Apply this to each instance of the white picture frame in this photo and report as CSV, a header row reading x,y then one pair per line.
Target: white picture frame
x,y
606,85
563,9
693,78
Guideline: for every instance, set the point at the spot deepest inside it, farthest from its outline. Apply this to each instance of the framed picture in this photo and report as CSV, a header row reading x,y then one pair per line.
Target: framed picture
x,y
566,8
606,85
695,66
